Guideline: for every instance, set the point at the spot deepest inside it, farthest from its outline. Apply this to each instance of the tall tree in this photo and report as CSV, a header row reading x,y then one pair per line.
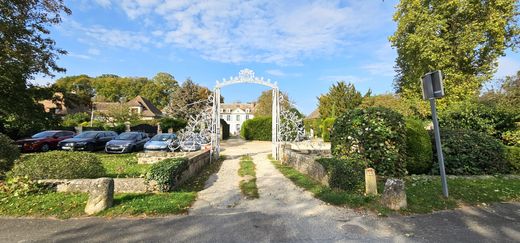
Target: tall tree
x,y
188,100
264,103
462,38
25,50
341,97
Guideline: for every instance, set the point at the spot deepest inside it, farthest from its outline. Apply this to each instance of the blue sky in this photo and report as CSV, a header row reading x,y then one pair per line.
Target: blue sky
x,y
303,45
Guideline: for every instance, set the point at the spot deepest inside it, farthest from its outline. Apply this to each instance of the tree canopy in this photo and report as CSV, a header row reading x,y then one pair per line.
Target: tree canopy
x,y
341,98
462,38
264,103
187,100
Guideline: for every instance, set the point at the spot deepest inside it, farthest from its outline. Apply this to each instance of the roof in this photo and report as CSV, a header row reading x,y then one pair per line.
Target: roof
x,y
242,106
104,106
314,114
148,108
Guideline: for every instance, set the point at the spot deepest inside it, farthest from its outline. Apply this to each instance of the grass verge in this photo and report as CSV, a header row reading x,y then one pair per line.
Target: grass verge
x,y
69,205
423,193
248,184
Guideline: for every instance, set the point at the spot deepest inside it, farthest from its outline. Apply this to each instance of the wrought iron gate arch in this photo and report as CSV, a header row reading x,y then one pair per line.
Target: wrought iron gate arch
x,y
246,76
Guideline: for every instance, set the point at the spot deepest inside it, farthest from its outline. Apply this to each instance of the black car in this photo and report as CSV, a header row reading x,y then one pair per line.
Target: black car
x,y
88,141
127,142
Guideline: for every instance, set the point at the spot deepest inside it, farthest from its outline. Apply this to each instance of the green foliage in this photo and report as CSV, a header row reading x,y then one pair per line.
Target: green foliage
x,y
504,94
513,158
326,127
511,138
406,107
165,172
264,103
123,165
19,186
248,185
419,151
186,100
258,128
341,98
173,123
314,124
8,153
477,117
468,152
463,38
59,165
73,120
346,174
377,134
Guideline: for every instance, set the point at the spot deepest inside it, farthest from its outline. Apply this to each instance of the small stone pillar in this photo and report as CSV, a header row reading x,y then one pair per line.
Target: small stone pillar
x,y
159,129
101,195
370,182
394,196
127,126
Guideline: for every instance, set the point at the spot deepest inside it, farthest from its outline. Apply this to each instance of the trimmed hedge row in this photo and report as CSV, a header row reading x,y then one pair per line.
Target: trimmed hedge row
x,y
326,127
59,165
165,172
8,153
419,153
346,174
258,128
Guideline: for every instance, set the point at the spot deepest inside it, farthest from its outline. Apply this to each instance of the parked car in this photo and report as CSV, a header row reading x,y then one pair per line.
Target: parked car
x,y
43,141
88,141
191,144
161,142
127,142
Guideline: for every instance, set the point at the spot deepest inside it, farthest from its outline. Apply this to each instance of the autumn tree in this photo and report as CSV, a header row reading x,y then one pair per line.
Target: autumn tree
x,y
25,51
462,38
264,103
341,97
188,100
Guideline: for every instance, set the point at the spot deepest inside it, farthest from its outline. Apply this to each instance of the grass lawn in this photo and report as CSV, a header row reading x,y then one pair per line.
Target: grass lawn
x,y
122,165
423,192
67,205
248,185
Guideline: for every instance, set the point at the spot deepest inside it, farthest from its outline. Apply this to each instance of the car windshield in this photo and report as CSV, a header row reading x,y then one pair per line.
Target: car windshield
x,y
126,136
87,135
161,137
43,134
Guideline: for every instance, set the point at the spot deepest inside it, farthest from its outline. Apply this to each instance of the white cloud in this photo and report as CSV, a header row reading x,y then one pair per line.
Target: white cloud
x,y
104,3
80,56
94,51
252,31
276,72
507,66
383,61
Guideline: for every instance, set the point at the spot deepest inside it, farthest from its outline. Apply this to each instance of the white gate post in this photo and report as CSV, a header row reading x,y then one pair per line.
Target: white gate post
x,y
275,124
215,138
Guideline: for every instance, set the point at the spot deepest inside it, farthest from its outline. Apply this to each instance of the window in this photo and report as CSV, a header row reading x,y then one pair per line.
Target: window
x,y
228,110
228,118
238,117
247,110
247,117
238,127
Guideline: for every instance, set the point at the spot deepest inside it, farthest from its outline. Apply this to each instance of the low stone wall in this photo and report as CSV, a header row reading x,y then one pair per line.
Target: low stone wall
x,y
156,156
305,162
196,161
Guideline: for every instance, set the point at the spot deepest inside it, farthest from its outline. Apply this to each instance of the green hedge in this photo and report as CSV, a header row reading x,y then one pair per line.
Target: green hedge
x,y
8,153
419,149
314,124
165,172
173,123
346,174
377,134
513,159
59,165
467,152
326,127
258,128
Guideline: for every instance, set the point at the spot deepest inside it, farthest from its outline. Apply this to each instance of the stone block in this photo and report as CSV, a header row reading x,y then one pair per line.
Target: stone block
x,y
394,196
370,182
101,195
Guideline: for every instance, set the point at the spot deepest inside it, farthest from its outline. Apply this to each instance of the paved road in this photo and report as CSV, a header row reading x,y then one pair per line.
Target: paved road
x,y
283,213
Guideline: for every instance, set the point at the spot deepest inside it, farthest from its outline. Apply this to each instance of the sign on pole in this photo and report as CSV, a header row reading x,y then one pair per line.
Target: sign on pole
x,y
432,89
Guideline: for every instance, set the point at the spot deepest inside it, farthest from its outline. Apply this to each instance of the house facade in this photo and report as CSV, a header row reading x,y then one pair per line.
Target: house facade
x,y
235,114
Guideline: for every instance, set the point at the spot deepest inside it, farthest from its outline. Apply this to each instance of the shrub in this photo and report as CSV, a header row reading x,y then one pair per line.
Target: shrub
x,y
59,165
173,123
468,152
513,158
511,138
166,172
258,128
477,117
73,120
326,127
375,133
8,153
314,124
20,186
346,174
419,151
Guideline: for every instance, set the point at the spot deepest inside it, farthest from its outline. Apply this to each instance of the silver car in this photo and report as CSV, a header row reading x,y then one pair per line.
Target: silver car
x,y
161,142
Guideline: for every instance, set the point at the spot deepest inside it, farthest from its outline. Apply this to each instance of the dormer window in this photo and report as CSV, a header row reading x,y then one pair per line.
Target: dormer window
x,y
247,110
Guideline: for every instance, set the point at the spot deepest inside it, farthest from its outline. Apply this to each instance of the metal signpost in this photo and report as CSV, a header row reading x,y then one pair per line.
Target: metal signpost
x,y
432,89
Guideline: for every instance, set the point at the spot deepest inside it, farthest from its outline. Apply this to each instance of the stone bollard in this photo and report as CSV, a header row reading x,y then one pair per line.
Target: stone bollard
x,y
394,196
101,195
370,182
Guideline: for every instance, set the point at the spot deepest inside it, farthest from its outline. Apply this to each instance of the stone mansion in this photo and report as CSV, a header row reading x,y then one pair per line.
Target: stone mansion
x,y
235,114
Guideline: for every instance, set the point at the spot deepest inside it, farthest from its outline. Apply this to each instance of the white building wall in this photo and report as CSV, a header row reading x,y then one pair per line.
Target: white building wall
x,y
235,118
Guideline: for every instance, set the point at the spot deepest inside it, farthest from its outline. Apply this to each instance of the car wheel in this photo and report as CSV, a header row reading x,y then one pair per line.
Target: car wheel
x,y
45,147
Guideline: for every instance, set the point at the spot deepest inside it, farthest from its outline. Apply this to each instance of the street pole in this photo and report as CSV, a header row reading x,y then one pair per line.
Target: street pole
x,y
440,155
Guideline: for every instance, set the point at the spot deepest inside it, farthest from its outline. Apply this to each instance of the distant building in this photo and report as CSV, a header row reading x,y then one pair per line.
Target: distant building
x,y
138,105
235,114
57,106
315,114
